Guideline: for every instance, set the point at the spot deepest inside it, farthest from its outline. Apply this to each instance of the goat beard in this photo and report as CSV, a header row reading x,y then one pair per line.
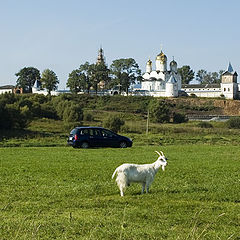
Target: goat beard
x,y
163,168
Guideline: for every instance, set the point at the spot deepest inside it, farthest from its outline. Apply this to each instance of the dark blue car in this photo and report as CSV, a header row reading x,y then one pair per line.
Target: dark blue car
x,y
86,137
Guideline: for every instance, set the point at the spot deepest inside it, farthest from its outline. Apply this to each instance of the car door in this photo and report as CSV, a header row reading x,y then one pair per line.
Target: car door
x,y
96,137
110,139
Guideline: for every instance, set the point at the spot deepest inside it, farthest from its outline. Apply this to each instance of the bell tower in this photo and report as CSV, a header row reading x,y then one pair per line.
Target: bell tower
x,y
100,58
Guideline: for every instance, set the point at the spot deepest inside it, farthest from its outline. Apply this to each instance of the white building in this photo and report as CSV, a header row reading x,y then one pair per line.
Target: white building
x,y
7,89
228,88
161,82
167,83
10,89
37,88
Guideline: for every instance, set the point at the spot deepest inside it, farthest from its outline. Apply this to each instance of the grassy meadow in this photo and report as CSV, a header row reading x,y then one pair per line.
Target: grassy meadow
x,y
57,192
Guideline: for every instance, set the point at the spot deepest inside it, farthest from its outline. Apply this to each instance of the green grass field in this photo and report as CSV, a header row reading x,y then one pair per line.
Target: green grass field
x,y
66,193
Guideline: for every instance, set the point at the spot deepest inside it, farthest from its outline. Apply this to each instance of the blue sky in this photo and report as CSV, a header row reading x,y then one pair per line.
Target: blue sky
x,y
62,34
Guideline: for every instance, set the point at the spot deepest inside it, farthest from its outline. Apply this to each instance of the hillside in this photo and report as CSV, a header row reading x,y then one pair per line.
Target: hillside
x,y
189,106
201,106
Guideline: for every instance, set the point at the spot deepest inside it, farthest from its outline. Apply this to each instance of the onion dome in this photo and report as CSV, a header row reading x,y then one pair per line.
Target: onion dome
x,y
149,62
173,63
162,57
173,66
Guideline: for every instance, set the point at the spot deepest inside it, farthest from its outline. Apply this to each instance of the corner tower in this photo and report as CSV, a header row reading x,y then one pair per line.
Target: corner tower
x,y
229,86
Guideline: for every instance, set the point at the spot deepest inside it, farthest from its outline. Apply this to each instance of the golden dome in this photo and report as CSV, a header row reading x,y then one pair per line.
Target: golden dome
x,y
149,62
162,57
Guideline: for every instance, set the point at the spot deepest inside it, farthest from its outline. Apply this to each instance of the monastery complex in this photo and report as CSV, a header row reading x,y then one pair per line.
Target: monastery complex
x,y
164,82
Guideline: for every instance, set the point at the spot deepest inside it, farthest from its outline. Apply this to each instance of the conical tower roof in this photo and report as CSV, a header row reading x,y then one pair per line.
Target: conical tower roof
x,y
172,79
230,68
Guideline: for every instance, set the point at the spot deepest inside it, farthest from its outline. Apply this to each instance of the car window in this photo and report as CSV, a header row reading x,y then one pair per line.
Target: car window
x,y
107,133
91,132
85,132
97,132
81,132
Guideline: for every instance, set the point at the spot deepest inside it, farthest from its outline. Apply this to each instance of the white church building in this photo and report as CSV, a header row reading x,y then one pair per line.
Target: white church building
x,y
163,82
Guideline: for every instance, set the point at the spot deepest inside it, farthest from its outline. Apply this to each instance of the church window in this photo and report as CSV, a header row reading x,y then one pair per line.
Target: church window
x,y
224,89
229,89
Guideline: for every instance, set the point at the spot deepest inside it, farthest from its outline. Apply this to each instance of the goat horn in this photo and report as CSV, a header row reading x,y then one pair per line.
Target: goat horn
x,y
162,153
158,153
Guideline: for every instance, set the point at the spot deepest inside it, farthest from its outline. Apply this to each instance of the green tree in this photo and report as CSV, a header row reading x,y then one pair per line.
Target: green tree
x,y
201,74
100,73
86,76
77,81
187,74
205,77
49,80
27,77
125,72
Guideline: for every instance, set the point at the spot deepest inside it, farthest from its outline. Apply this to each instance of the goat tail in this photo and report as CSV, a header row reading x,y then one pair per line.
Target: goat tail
x,y
114,173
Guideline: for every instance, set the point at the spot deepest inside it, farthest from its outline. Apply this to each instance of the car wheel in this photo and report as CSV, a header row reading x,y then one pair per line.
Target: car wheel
x,y
123,144
85,145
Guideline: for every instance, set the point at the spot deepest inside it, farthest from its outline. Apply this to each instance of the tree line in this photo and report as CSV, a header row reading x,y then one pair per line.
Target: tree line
x,y
122,72
202,76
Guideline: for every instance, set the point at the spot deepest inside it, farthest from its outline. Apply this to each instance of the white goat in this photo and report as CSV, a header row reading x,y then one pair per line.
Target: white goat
x,y
128,173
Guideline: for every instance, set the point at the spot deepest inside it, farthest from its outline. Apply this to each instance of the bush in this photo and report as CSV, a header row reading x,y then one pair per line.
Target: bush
x,y
114,123
192,95
179,118
88,117
72,113
15,117
160,111
48,111
233,123
205,125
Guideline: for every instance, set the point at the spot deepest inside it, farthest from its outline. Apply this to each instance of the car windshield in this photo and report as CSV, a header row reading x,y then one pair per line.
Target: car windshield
x,y
74,131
